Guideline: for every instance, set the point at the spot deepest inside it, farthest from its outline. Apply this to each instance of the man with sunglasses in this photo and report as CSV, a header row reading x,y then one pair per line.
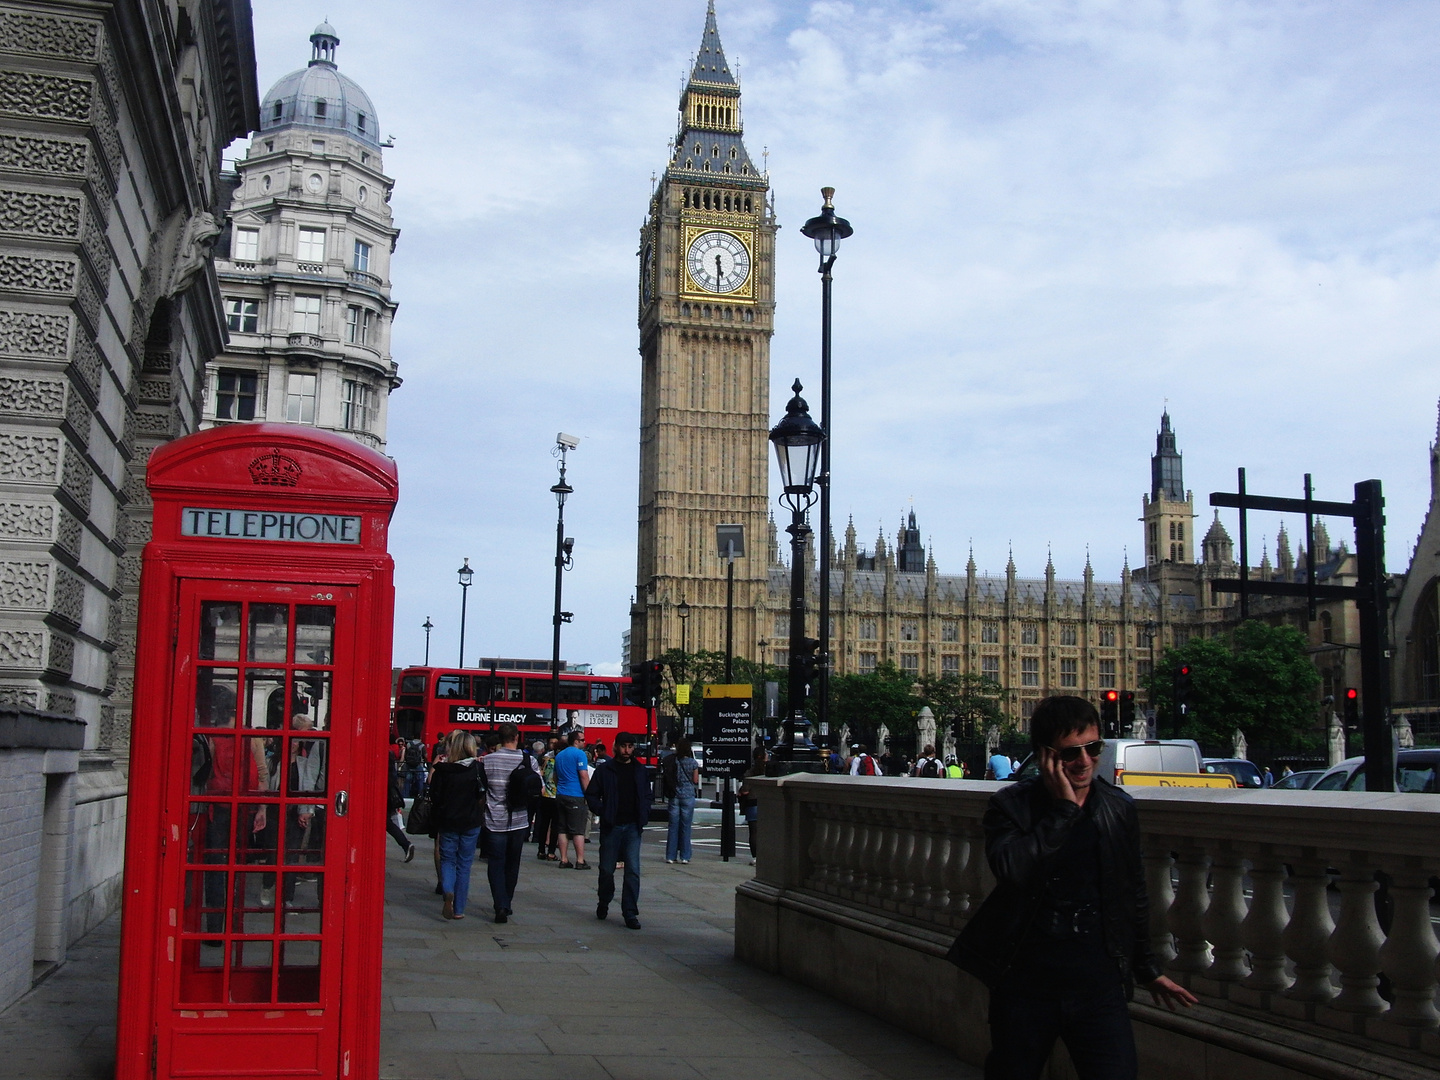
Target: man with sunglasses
x,y
1064,936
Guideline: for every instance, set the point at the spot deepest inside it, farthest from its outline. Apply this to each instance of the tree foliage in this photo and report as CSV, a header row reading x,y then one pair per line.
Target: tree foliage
x,y
707,667
885,696
1259,680
969,703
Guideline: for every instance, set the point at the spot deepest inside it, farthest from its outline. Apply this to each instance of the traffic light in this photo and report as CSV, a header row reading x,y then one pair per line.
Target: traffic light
x,y
1127,711
1352,708
1182,689
645,682
809,661
1110,713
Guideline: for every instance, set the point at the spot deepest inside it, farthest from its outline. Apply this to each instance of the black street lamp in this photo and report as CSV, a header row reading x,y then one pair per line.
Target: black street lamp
x,y
683,611
827,231
564,545
466,576
797,441
427,626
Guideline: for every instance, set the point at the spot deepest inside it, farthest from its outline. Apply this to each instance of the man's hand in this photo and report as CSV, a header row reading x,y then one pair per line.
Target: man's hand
x,y
1171,994
1052,773
258,825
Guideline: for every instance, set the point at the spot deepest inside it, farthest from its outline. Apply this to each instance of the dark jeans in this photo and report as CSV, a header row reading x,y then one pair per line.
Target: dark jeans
x,y
503,850
545,833
393,828
1093,1021
619,842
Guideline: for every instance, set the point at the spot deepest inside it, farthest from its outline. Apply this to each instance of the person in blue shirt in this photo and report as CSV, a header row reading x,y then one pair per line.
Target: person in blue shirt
x,y
572,776
1000,766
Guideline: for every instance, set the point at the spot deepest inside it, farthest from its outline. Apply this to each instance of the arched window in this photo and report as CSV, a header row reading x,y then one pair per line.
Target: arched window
x,y
1327,627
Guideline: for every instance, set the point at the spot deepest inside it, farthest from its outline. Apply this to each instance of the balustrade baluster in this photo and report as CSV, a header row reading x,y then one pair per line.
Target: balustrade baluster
x,y
1307,935
1356,940
917,876
902,843
944,850
1224,916
1161,890
870,881
844,879
1263,930
820,854
1409,953
964,874
1187,913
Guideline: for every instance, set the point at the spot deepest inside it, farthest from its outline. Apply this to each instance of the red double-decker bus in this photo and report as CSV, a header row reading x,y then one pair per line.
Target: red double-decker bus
x,y
430,702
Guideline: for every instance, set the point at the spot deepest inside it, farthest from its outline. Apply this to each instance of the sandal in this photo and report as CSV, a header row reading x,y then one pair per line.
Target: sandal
x,y
552,857
582,866
567,866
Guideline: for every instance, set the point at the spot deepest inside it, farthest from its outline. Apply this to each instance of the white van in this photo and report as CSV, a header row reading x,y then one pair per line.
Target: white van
x,y
1135,755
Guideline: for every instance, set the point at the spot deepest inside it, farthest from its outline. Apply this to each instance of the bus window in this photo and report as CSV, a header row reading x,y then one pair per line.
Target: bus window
x,y
412,684
482,688
540,690
453,686
603,693
516,691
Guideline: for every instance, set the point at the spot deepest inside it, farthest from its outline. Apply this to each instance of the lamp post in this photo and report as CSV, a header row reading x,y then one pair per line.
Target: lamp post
x,y
427,626
683,611
564,545
827,231
466,576
797,441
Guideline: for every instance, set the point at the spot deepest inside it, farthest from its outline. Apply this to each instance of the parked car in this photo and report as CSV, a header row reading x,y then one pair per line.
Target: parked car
x,y
1299,781
1135,755
1415,771
1244,772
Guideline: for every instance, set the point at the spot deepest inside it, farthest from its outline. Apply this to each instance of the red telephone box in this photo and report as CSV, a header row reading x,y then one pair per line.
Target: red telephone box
x,y
254,862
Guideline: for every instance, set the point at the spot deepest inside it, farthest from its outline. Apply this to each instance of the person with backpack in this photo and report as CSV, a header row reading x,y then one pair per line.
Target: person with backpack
x,y
679,784
928,765
457,809
512,786
861,763
414,768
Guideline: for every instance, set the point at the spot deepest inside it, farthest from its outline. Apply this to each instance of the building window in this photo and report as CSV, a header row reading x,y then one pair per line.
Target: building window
x,y
950,664
1182,637
1068,635
1143,669
311,246
867,663
360,122
358,324
279,108
1029,634
362,253
867,629
1107,674
910,662
1145,637
1327,627
782,624
781,659
320,109
949,630
1107,637
242,316
235,393
300,398
990,633
307,315
357,405
1027,707
247,245
909,630
1068,675
1029,671
990,667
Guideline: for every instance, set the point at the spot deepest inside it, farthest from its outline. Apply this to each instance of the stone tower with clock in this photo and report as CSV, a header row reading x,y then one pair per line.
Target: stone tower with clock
x,y
706,313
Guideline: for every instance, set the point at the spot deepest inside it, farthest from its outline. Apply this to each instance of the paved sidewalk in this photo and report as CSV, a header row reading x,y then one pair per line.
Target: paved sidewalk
x,y
554,993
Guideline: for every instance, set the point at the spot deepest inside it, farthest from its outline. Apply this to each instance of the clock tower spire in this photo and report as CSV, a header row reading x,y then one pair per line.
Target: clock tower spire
x,y
706,313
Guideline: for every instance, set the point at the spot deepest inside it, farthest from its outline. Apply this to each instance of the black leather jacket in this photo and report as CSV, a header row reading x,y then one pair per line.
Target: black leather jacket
x,y
1024,828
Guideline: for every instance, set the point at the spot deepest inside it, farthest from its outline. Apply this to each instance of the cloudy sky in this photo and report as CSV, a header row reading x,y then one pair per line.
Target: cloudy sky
x,y
1066,214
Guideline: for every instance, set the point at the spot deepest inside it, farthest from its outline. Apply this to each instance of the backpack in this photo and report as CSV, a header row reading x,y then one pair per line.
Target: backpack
x,y
524,786
867,766
670,776
931,767
414,754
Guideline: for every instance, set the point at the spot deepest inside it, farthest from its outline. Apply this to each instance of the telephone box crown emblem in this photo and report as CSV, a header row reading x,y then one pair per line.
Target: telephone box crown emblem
x,y
275,470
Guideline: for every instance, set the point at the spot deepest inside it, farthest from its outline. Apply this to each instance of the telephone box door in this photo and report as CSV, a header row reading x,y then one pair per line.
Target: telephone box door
x,y
256,829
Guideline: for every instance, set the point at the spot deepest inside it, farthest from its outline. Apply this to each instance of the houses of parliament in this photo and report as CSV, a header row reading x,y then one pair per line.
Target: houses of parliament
x,y
706,313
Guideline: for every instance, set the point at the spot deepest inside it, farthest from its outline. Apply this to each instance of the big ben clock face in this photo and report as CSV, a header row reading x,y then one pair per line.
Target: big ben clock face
x,y
647,273
718,262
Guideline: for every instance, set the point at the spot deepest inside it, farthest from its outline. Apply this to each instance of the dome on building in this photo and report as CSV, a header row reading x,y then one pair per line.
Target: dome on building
x,y
319,96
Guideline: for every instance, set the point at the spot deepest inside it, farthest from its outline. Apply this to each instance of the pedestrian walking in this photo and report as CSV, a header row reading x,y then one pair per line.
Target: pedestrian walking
x,y
572,774
1064,935
546,832
749,805
457,811
396,803
928,764
999,767
681,773
620,795
507,818
861,763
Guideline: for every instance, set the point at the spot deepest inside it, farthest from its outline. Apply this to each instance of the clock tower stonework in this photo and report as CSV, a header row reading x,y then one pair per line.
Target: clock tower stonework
x,y
707,310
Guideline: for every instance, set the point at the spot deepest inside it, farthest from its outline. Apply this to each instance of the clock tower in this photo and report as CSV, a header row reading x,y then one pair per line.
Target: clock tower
x,y
706,313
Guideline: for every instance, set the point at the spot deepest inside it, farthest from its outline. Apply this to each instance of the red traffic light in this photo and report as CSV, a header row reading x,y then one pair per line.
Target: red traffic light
x,y
1351,694
1185,670
1112,695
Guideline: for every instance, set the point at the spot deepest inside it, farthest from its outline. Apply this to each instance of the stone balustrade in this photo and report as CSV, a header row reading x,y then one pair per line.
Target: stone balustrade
x,y
1262,902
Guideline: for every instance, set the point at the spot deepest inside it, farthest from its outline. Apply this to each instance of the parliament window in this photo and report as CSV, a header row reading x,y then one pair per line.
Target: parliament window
x,y
949,630
1029,634
235,393
909,630
990,667
1143,669
1107,637
247,245
300,398
307,316
782,624
1068,634
867,629
1068,676
1027,707
910,662
310,246
950,664
990,633
1107,674
1029,671
867,662
242,316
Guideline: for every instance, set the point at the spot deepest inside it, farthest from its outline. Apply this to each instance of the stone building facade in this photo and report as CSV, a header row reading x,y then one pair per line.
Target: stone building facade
x,y
706,314
304,266
113,117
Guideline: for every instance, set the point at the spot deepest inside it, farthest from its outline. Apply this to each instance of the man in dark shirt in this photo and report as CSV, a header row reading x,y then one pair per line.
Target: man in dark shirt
x,y
619,794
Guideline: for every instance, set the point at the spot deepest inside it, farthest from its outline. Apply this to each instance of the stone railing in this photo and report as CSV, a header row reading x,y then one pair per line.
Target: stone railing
x,y
1264,903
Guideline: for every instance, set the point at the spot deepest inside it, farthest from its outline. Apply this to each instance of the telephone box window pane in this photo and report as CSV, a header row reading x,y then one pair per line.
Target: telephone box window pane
x,y
251,968
208,840
304,901
306,775
204,910
299,971
269,632
304,835
255,833
215,690
253,909
311,710
202,972
314,634
265,699
219,631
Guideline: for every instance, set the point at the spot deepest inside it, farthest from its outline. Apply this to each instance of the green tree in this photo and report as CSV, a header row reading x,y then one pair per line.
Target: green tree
x,y
704,667
885,696
1259,680
969,703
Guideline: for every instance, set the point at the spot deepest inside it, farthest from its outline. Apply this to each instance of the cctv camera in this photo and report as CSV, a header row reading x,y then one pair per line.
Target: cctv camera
x,y
569,442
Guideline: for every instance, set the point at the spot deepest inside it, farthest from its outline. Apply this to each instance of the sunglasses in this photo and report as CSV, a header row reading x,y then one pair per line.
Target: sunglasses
x,y
1072,753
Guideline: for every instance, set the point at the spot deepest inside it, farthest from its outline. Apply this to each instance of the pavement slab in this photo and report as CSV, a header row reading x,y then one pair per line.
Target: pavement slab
x,y
552,994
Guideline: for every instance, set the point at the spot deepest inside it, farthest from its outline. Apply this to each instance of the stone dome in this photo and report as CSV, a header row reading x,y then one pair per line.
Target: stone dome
x,y
319,96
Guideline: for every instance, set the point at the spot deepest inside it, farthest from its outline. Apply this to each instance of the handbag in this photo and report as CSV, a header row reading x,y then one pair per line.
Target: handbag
x,y
418,823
